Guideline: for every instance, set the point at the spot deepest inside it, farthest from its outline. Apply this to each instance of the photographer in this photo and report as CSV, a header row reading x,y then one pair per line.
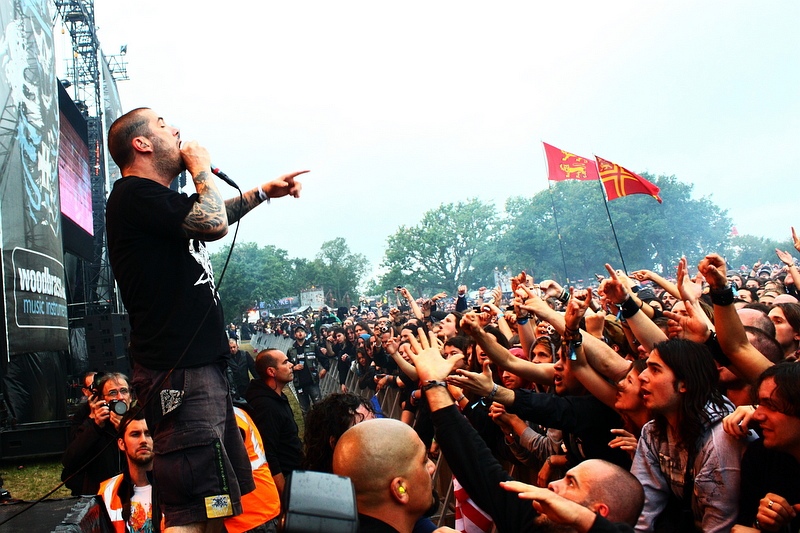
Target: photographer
x,y
93,455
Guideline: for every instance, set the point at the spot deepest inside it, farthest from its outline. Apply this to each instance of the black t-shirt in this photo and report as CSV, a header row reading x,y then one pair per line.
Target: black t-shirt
x,y
166,280
767,470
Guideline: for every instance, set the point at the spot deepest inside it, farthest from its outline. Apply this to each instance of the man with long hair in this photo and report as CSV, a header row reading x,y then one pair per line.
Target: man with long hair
x,y
689,467
771,465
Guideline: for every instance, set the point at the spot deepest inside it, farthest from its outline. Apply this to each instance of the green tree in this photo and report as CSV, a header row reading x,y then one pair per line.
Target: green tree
x,y
650,235
749,249
339,271
253,274
442,251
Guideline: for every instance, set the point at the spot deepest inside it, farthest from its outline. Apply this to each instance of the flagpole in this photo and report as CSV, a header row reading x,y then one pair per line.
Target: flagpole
x,y
614,231
555,216
558,232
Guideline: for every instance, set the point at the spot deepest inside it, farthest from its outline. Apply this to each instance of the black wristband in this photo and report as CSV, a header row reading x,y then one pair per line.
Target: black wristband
x,y
722,296
629,308
564,296
712,343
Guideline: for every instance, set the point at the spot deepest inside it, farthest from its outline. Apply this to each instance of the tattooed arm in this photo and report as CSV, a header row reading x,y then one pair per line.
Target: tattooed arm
x,y
207,219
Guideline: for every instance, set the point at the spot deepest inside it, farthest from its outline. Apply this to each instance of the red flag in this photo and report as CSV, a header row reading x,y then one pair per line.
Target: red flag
x,y
563,165
621,182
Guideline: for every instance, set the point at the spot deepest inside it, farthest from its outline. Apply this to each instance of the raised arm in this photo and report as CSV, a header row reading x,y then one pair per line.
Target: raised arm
x,y
412,303
237,207
787,259
642,275
749,362
598,353
596,384
542,373
641,325
502,323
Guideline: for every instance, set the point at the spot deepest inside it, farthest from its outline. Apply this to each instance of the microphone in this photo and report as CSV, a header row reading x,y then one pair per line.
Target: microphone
x,y
224,177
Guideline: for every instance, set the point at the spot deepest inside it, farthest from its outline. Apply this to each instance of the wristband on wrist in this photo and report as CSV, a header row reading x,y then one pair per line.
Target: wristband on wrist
x,y
723,296
431,383
564,296
262,195
493,393
524,320
629,308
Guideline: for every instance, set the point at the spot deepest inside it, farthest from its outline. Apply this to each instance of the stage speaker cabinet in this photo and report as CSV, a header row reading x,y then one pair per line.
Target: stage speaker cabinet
x,y
318,502
107,338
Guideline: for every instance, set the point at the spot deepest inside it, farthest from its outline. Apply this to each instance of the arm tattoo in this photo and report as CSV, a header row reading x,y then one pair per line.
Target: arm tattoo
x,y
207,219
238,207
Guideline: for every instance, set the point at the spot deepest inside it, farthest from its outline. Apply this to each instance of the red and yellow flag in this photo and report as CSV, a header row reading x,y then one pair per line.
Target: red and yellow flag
x,y
563,165
620,181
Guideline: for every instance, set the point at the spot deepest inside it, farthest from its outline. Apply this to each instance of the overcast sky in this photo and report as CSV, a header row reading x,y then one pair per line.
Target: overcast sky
x,y
398,107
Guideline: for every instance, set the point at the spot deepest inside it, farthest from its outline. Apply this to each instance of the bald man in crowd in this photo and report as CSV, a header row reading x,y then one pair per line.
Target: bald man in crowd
x,y
390,470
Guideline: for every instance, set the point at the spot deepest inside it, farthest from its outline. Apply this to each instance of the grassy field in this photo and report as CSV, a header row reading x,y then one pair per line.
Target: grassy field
x,y
33,478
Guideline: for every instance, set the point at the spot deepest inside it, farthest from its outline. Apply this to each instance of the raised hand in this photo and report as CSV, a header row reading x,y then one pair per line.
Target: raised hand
x,y
689,290
642,275
614,290
518,281
481,384
576,308
284,185
428,360
471,323
785,257
714,270
691,326
551,288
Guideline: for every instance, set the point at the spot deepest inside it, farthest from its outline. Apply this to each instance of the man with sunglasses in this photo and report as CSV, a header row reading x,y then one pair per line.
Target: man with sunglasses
x,y
92,456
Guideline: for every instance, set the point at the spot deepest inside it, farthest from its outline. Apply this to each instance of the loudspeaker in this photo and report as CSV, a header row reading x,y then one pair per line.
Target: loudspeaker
x,y
107,338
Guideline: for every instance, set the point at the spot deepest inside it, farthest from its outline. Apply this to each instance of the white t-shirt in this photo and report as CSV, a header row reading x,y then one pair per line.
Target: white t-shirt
x,y
141,520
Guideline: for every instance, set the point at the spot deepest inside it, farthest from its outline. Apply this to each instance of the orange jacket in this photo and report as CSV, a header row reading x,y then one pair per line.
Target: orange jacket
x,y
264,503
108,491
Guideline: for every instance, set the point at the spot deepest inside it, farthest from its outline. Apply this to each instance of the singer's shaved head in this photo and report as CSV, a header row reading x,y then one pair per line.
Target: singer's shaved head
x,y
123,131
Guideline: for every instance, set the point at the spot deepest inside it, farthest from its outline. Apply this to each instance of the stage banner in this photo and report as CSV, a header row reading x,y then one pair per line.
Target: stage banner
x,y
34,310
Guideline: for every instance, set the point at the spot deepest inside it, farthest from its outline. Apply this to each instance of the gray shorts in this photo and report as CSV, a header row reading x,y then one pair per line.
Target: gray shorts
x,y
201,467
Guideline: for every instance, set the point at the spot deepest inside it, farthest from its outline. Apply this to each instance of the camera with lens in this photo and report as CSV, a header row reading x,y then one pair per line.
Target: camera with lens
x,y
95,386
118,406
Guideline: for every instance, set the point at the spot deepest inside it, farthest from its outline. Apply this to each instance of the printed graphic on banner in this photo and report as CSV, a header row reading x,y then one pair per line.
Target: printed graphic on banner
x,y
34,310
39,295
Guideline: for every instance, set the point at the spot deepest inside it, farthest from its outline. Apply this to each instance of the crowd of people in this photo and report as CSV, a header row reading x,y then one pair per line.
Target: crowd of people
x,y
642,403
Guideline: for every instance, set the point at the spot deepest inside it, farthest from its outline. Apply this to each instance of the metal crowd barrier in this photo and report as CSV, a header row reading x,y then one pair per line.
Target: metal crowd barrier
x,y
389,401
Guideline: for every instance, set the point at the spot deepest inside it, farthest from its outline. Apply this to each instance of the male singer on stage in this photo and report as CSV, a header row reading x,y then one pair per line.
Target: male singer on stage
x,y
178,343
